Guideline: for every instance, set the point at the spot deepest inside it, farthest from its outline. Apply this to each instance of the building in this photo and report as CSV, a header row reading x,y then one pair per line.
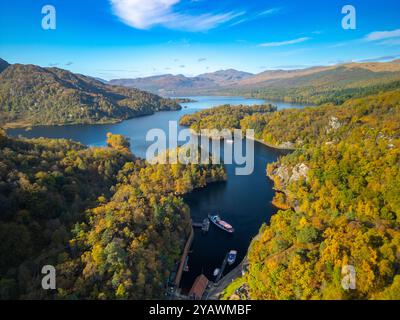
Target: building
x,y
199,287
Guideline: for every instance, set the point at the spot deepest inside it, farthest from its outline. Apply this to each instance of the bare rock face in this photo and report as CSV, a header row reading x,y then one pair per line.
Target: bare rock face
x,y
333,125
300,171
286,176
287,145
283,173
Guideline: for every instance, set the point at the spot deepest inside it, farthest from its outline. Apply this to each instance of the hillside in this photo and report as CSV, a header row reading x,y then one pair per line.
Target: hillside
x,y
316,85
338,192
32,95
322,84
301,78
225,77
165,84
222,117
112,224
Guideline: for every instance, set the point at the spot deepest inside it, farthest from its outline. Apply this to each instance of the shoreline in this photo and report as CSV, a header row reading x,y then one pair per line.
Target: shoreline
x,y
271,146
246,137
24,124
28,126
216,292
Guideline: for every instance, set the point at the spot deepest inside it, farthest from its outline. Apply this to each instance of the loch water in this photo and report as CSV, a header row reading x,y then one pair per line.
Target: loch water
x,y
243,201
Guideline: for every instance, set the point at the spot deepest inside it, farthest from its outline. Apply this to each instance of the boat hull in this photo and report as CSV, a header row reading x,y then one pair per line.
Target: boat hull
x,y
215,222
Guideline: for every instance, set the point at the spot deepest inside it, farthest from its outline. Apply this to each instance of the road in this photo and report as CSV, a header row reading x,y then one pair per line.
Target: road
x,y
215,291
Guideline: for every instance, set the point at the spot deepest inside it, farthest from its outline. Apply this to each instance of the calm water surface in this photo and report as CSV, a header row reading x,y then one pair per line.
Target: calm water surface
x,y
243,201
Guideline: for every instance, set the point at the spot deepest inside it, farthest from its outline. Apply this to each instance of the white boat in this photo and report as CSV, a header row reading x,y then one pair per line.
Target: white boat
x,y
214,218
230,141
216,272
232,257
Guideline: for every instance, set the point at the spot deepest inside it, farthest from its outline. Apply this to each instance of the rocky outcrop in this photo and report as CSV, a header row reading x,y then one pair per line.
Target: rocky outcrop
x,y
287,145
283,175
287,175
333,125
300,171
282,172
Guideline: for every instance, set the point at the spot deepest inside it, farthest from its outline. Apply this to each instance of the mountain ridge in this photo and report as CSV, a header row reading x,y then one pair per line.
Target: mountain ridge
x,y
3,65
230,81
168,83
34,95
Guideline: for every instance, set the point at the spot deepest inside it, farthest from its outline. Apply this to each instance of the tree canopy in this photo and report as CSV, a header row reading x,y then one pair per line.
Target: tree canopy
x,y
112,224
339,195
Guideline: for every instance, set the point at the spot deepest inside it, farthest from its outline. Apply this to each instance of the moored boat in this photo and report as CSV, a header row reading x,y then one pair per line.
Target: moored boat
x,y
232,257
215,218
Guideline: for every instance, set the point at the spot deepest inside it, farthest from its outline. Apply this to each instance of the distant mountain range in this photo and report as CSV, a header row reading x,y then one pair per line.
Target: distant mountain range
x,y
32,95
272,83
342,72
170,85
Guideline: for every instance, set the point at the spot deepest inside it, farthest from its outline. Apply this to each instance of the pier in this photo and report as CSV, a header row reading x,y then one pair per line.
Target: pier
x,y
183,260
204,225
221,270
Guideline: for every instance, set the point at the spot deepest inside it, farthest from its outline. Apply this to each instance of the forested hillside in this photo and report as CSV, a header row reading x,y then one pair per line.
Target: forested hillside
x,y
222,117
335,91
315,85
32,95
343,186
113,225
319,85
340,194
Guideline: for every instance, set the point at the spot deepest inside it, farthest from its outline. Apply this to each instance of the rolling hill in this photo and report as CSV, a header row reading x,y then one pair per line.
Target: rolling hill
x,y
321,85
32,95
314,85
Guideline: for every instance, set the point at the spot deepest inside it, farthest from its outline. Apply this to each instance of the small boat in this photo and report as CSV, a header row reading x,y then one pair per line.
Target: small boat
x,y
216,272
230,141
215,218
232,257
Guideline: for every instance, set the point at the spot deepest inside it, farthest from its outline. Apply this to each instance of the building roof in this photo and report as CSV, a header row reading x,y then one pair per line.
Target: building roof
x,y
199,286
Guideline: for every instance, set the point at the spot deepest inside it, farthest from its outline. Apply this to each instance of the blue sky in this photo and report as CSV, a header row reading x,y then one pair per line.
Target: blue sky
x,y
134,38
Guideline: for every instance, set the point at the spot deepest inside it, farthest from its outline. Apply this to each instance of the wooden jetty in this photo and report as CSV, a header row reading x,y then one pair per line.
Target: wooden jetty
x,y
204,225
221,270
183,259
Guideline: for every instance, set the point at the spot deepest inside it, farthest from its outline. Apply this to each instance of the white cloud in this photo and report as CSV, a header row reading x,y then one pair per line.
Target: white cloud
x,y
381,35
269,11
259,15
143,14
284,43
239,22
